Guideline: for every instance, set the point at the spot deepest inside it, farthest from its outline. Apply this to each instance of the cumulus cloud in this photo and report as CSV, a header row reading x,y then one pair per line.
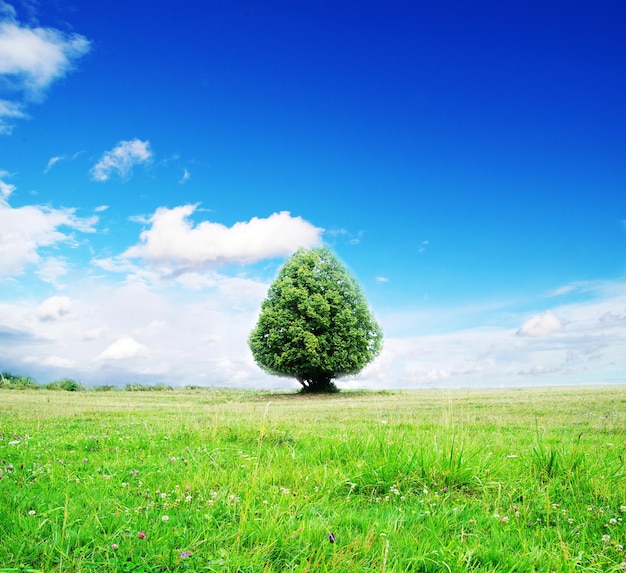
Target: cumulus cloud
x,y
382,280
121,159
122,349
31,59
25,230
54,308
173,240
540,325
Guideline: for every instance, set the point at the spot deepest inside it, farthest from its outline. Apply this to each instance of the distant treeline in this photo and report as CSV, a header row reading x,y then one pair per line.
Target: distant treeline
x,y
12,381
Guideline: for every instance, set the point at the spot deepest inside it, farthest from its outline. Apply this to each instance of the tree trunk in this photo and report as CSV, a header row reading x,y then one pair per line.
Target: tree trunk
x,y
322,385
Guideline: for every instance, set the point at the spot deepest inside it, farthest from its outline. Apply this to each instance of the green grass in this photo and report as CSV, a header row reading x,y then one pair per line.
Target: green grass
x,y
228,481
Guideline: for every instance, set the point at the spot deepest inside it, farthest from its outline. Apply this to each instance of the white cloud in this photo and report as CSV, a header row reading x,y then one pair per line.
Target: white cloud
x,y
94,333
8,111
5,188
49,270
422,246
382,280
121,159
101,208
24,230
31,59
53,161
122,349
58,362
185,177
540,325
54,308
175,242
35,57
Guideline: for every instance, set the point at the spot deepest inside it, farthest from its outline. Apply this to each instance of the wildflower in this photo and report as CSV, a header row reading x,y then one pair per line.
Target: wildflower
x,y
188,499
505,519
141,535
165,518
85,460
570,521
331,537
9,467
612,521
472,521
114,546
606,538
163,495
186,554
32,512
133,472
619,548
623,566
623,508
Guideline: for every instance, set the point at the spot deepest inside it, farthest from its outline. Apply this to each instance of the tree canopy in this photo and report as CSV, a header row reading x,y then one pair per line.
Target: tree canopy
x,y
315,324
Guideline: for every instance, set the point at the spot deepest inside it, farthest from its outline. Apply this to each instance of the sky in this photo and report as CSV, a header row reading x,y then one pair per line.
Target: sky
x,y
465,160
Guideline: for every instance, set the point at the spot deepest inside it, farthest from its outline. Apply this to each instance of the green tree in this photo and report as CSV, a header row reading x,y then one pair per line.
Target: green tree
x,y
315,324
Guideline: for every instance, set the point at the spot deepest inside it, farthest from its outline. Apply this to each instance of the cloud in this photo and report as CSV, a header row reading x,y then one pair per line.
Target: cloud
x,y
54,308
540,325
58,362
9,110
173,240
122,349
52,162
25,230
382,280
35,57
185,177
5,188
31,59
422,246
50,269
121,159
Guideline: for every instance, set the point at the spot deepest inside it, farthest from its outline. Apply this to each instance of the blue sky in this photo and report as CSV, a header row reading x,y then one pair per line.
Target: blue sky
x,y
467,161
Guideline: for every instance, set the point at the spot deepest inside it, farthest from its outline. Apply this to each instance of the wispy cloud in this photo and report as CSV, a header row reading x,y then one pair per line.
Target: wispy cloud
x,y
52,162
9,111
121,159
382,280
31,59
173,240
185,177
5,188
25,230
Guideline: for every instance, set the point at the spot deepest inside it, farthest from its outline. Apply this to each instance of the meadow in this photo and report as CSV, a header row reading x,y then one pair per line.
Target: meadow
x,y
250,482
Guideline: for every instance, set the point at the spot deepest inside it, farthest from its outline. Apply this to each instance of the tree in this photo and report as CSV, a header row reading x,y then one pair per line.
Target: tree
x,y
315,324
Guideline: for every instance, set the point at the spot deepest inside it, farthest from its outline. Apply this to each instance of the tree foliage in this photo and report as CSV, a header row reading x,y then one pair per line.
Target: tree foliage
x,y
315,324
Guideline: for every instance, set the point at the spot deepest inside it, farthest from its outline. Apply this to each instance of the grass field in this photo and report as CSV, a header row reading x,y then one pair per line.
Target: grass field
x,y
228,481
